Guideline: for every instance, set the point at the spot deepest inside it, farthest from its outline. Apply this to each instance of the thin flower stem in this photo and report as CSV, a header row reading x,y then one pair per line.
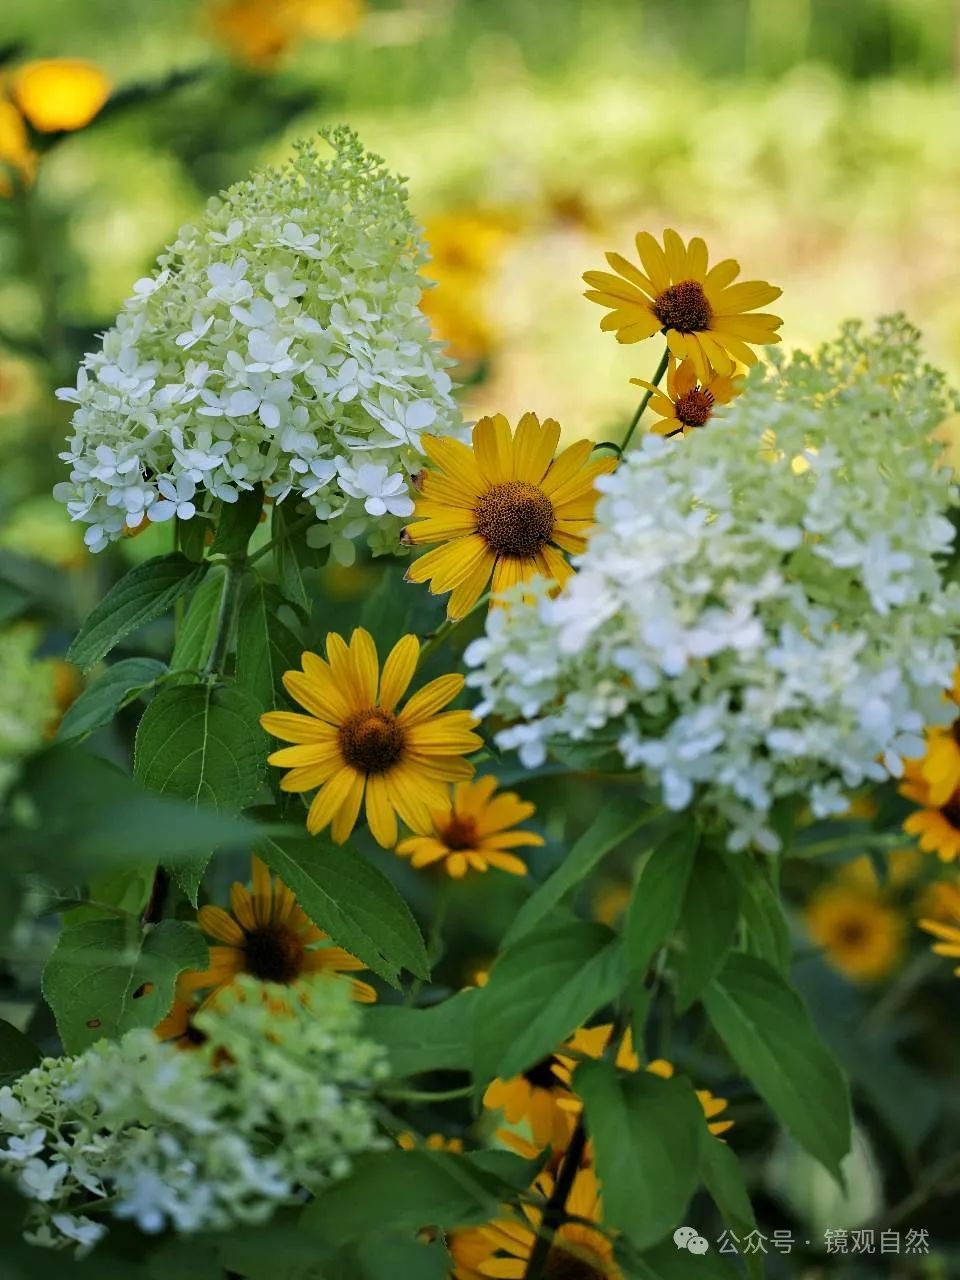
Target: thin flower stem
x,y
297,525
553,1213
661,370
233,576
425,1095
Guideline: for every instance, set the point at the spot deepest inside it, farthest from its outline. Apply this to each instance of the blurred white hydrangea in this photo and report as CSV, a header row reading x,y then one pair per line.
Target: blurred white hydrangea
x,y
27,699
761,611
279,342
268,1108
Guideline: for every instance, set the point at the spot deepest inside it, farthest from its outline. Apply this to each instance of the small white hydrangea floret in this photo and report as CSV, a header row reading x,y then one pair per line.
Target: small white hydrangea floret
x,y
280,342
762,611
272,1106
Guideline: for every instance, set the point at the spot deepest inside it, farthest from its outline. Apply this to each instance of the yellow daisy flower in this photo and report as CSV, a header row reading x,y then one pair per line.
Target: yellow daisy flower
x,y
940,764
354,740
705,316
860,934
687,402
58,94
502,1248
935,826
947,928
473,830
507,509
267,935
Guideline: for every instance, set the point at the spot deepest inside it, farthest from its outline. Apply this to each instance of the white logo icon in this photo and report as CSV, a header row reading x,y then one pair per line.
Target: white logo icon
x,y
687,1238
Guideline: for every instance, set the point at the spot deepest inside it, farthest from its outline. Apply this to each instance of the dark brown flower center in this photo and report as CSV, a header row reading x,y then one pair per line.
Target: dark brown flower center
x,y
951,810
372,741
852,933
515,519
541,1075
694,408
274,953
563,1265
460,833
685,307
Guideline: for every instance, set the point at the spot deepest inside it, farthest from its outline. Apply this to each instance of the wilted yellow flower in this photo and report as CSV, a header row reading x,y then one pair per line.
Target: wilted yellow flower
x,y
57,94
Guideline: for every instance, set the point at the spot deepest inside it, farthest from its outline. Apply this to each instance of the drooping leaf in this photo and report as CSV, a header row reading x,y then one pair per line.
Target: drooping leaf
x,y
146,592
723,1178
203,743
237,521
266,647
407,1190
708,919
197,629
292,557
17,1053
539,991
619,818
433,1039
352,901
108,694
107,976
647,1134
768,1033
658,897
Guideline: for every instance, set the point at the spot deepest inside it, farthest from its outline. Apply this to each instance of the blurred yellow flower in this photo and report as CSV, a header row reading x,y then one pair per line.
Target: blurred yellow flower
x,y
705,316
688,402
258,32
18,162
945,923
935,826
505,509
59,93
473,832
466,247
860,934
940,901
902,866
432,1142
610,901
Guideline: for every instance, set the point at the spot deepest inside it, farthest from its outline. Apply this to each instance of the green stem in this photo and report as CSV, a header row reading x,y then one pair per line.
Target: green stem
x,y
447,627
233,577
425,1095
661,370
297,525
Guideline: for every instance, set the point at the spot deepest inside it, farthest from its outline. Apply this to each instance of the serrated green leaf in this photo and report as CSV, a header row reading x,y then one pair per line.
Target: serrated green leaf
x,y
17,1052
539,991
620,818
434,1039
708,920
658,897
347,897
266,647
146,592
647,1134
203,743
768,1033
107,976
199,625
108,694
237,521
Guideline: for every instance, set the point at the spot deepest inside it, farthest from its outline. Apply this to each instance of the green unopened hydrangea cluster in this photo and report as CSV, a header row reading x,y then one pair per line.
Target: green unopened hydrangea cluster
x,y
270,1107
279,342
27,703
763,610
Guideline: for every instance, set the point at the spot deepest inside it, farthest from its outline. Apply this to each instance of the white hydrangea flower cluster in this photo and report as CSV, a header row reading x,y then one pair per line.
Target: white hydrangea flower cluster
x,y
278,342
27,702
761,611
270,1107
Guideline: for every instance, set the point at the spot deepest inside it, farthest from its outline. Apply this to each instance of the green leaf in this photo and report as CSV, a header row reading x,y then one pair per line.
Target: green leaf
x,y
237,521
192,537
765,930
658,897
404,1191
723,1177
90,817
292,557
647,1134
621,817
388,611
539,991
108,976
266,647
17,1053
768,1033
352,901
111,691
434,1039
386,1256
199,624
143,594
708,919
667,1262
203,743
